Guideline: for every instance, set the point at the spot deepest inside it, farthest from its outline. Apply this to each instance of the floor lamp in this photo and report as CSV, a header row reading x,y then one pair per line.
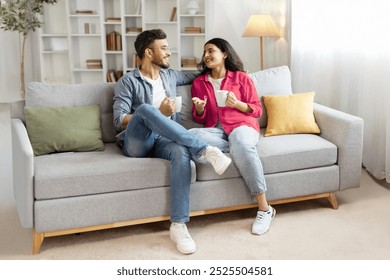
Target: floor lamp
x,y
261,26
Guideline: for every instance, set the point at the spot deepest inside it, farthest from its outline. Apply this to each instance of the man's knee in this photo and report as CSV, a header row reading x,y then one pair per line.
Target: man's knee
x,y
143,108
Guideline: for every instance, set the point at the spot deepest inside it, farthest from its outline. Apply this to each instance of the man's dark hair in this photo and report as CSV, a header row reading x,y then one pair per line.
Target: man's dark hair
x,y
146,38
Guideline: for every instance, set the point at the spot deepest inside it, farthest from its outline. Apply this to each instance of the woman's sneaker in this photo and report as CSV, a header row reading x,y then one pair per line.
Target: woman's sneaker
x,y
263,221
180,235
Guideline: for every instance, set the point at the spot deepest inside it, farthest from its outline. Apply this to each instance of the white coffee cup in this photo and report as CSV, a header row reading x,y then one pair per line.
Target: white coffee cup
x,y
221,96
178,102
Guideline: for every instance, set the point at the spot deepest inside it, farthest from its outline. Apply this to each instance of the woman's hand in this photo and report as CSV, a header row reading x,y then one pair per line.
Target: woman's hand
x,y
199,105
233,102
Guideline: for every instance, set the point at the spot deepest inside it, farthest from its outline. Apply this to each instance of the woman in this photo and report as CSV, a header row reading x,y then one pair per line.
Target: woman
x,y
232,128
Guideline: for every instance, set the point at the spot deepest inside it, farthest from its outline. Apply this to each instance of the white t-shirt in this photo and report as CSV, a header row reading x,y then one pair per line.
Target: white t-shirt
x,y
217,86
158,91
216,83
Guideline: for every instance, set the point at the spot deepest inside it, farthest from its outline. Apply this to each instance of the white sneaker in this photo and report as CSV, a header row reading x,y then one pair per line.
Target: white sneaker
x,y
180,235
263,221
218,160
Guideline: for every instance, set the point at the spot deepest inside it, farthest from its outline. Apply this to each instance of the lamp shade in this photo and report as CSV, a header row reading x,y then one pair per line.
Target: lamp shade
x,y
261,26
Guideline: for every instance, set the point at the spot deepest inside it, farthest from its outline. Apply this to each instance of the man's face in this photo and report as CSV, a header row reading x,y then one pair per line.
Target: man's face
x,y
161,53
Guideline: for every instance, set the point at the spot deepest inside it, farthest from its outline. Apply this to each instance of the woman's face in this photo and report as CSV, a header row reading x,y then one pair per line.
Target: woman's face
x,y
213,57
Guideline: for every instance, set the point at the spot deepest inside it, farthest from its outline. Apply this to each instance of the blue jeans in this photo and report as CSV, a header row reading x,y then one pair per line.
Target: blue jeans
x,y
241,143
151,133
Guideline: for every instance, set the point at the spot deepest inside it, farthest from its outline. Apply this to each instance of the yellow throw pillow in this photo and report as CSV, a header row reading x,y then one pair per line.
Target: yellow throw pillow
x,y
290,114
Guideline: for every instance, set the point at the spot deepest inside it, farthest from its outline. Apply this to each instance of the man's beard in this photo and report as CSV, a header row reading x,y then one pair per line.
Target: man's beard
x,y
161,64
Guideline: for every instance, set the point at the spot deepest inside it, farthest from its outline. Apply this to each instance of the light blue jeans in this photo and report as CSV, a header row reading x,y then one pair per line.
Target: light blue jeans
x,y
241,143
149,133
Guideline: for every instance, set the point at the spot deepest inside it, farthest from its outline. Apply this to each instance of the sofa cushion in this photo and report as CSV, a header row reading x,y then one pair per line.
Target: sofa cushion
x,y
186,107
76,174
282,153
64,129
273,81
56,95
290,114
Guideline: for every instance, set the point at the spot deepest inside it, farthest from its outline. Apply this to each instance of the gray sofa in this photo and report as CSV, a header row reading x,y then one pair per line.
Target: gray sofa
x,y
71,192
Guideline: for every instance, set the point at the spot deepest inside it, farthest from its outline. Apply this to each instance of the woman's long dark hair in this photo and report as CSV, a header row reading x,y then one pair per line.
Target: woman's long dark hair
x,y
232,62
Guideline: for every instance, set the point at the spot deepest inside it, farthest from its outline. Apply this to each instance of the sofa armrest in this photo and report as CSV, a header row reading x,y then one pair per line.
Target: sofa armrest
x,y
346,132
23,173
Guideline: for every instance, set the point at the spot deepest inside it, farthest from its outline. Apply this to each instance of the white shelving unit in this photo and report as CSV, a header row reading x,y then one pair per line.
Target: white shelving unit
x,y
54,45
75,31
191,44
85,34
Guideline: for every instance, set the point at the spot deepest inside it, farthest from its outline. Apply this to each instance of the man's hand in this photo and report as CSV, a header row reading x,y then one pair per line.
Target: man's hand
x,y
167,107
126,120
199,105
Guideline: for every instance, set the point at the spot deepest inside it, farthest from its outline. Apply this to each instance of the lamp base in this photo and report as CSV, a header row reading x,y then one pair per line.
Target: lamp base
x,y
261,54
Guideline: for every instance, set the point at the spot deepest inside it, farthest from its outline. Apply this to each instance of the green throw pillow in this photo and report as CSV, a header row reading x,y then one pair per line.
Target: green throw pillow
x,y
64,129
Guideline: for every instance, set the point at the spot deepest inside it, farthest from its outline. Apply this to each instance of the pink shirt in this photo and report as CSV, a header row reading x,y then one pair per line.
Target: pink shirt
x,y
242,86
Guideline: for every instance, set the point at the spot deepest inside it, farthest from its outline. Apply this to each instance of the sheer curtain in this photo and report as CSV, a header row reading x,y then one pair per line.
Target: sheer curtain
x,y
341,50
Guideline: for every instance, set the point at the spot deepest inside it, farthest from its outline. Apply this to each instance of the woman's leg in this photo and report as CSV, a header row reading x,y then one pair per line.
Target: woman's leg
x,y
262,202
243,150
213,136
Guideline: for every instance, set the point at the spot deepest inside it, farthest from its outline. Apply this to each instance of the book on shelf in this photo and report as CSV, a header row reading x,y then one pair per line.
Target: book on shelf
x,y
188,61
188,65
113,19
114,41
133,29
86,28
94,67
118,42
173,14
111,76
192,29
85,12
135,61
93,63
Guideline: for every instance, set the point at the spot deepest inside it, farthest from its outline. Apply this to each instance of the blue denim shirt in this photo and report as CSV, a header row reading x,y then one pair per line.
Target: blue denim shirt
x,y
132,90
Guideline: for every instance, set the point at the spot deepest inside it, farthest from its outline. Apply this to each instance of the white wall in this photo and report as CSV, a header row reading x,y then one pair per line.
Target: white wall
x,y
10,64
225,18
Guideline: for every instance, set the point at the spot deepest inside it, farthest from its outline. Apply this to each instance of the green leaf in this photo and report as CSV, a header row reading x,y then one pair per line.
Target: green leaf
x,y
22,15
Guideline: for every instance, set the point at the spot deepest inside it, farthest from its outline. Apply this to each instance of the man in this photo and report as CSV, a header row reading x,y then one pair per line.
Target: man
x,y
147,124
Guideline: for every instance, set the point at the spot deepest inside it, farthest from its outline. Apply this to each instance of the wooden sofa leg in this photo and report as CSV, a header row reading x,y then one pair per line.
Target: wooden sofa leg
x,y
37,241
333,201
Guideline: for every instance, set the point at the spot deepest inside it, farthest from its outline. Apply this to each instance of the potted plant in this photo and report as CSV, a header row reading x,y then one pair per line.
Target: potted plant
x,y
22,16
